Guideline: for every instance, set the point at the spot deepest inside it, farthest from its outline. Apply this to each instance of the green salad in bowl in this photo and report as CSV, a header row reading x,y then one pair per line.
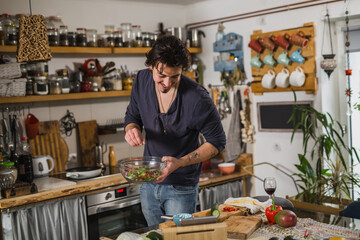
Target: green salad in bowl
x,y
141,169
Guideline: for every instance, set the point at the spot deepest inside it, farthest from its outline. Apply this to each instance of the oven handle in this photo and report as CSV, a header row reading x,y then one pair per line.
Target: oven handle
x,y
117,205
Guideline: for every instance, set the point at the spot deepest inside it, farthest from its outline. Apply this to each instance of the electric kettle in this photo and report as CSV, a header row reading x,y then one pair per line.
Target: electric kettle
x,y
41,166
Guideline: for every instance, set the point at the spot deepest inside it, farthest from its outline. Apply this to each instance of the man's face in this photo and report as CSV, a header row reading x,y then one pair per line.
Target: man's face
x,y
166,77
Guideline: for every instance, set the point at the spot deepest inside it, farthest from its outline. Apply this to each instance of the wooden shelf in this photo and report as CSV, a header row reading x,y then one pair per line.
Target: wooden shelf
x,y
61,97
95,50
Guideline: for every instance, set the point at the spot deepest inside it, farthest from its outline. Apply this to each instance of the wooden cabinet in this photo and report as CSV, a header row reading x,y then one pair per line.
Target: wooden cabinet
x,y
83,95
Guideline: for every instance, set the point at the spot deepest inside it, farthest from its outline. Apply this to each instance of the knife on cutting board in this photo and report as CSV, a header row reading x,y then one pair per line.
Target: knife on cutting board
x,y
198,220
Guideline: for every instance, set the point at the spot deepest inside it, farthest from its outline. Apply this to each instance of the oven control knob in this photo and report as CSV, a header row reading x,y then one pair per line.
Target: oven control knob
x,y
108,195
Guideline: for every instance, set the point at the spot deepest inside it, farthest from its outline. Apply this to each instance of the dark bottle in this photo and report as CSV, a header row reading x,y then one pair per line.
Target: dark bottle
x,y
25,167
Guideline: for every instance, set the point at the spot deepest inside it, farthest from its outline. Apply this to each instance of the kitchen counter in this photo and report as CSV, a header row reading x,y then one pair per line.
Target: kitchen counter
x,y
95,185
81,188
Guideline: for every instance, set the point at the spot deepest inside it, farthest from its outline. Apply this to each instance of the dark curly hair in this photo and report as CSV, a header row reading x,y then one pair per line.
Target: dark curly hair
x,y
168,50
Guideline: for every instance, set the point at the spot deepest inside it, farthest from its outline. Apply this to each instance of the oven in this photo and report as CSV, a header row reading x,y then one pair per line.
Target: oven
x,y
113,212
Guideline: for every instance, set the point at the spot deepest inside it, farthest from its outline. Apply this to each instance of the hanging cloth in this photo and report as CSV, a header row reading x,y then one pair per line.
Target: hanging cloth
x,y
234,145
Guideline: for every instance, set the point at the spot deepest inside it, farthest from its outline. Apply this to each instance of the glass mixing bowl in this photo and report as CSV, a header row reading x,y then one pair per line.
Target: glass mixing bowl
x,y
141,169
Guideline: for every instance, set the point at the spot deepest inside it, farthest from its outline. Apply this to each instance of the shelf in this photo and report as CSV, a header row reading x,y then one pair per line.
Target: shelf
x,y
95,50
61,97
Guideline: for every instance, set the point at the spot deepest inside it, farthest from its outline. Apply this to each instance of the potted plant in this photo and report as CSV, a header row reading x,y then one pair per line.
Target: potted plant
x,y
332,158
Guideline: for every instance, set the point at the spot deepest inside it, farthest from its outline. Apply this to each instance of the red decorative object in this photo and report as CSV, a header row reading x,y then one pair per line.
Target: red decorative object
x,y
348,92
348,72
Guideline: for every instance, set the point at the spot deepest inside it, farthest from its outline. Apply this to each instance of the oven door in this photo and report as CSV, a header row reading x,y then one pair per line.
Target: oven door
x,y
111,219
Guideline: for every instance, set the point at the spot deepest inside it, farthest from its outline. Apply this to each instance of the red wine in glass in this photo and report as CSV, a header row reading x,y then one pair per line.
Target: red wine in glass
x,y
270,190
270,186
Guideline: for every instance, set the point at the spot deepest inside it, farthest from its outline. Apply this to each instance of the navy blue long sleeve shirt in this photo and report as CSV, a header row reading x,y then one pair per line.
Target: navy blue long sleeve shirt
x,y
192,112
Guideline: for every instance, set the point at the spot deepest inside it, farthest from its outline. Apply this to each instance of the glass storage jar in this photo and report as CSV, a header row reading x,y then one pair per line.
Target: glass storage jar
x,y
9,168
41,86
29,86
65,81
55,84
63,35
110,38
11,34
72,39
118,39
53,36
137,37
146,40
127,34
81,40
101,40
91,35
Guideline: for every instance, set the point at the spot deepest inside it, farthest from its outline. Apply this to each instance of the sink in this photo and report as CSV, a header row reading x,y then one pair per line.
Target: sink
x,y
49,183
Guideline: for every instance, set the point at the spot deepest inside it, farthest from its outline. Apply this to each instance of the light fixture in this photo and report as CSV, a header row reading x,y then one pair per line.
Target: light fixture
x,y
328,63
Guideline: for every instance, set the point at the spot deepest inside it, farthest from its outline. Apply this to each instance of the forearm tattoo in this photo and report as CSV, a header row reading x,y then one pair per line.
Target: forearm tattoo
x,y
194,156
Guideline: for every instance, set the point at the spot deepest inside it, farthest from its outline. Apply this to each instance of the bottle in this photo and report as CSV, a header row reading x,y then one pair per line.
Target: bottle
x,y
220,33
25,167
112,160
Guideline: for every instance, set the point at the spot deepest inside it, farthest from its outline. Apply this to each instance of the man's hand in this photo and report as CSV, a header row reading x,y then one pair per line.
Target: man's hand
x,y
171,165
134,137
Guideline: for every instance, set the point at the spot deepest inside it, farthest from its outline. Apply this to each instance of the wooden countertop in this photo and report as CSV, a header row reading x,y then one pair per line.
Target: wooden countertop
x,y
79,189
93,186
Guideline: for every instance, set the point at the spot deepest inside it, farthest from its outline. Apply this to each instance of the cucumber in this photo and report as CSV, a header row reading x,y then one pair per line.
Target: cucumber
x,y
215,210
154,236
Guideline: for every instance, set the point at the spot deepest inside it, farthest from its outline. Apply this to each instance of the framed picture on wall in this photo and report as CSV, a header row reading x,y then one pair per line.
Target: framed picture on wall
x,y
274,116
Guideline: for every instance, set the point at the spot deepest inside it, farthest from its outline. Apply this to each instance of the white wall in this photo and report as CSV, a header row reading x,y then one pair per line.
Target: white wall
x,y
274,147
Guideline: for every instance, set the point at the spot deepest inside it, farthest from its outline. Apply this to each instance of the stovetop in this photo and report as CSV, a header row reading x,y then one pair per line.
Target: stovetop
x,y
107,172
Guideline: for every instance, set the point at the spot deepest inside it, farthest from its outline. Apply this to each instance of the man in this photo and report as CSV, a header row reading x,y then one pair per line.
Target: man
x,y
173,109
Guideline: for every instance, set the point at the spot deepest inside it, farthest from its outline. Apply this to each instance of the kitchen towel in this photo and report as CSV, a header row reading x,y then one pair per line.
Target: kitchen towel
x,y
234,145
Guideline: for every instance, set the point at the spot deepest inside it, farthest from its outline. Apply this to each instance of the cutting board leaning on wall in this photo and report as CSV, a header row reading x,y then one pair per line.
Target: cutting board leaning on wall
x,y
49,142
88,138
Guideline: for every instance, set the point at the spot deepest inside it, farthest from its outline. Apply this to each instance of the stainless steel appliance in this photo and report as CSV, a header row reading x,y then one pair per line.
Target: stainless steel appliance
x,y
113,212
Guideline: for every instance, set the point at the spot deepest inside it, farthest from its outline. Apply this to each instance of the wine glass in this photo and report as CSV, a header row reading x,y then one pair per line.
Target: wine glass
x,y
270,186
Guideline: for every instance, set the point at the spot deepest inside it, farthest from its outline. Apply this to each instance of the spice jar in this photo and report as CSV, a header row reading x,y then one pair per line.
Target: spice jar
x,y
91,35
40,86
55,84
127,34
72,39
63,33
11,35
110,38
146,39
53,36
118,39
137,37
81,40
29,87
65,81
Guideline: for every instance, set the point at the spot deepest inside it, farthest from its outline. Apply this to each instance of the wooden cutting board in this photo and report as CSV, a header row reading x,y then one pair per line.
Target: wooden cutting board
x,y
49,142
88,139
241,227
197,232
223,215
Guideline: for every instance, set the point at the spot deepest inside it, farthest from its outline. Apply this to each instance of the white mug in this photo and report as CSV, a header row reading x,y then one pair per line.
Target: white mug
x,y
41,166
268,80
282,78
297,77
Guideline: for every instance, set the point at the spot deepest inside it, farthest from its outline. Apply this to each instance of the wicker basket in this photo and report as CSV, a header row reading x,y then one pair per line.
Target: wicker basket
x,y
10,70
12,87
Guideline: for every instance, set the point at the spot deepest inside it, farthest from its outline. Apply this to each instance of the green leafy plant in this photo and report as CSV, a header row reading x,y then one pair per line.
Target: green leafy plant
x,y
323,143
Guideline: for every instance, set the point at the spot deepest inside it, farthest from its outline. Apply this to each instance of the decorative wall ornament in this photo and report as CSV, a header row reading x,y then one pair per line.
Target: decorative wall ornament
x,y
328,63
33,43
